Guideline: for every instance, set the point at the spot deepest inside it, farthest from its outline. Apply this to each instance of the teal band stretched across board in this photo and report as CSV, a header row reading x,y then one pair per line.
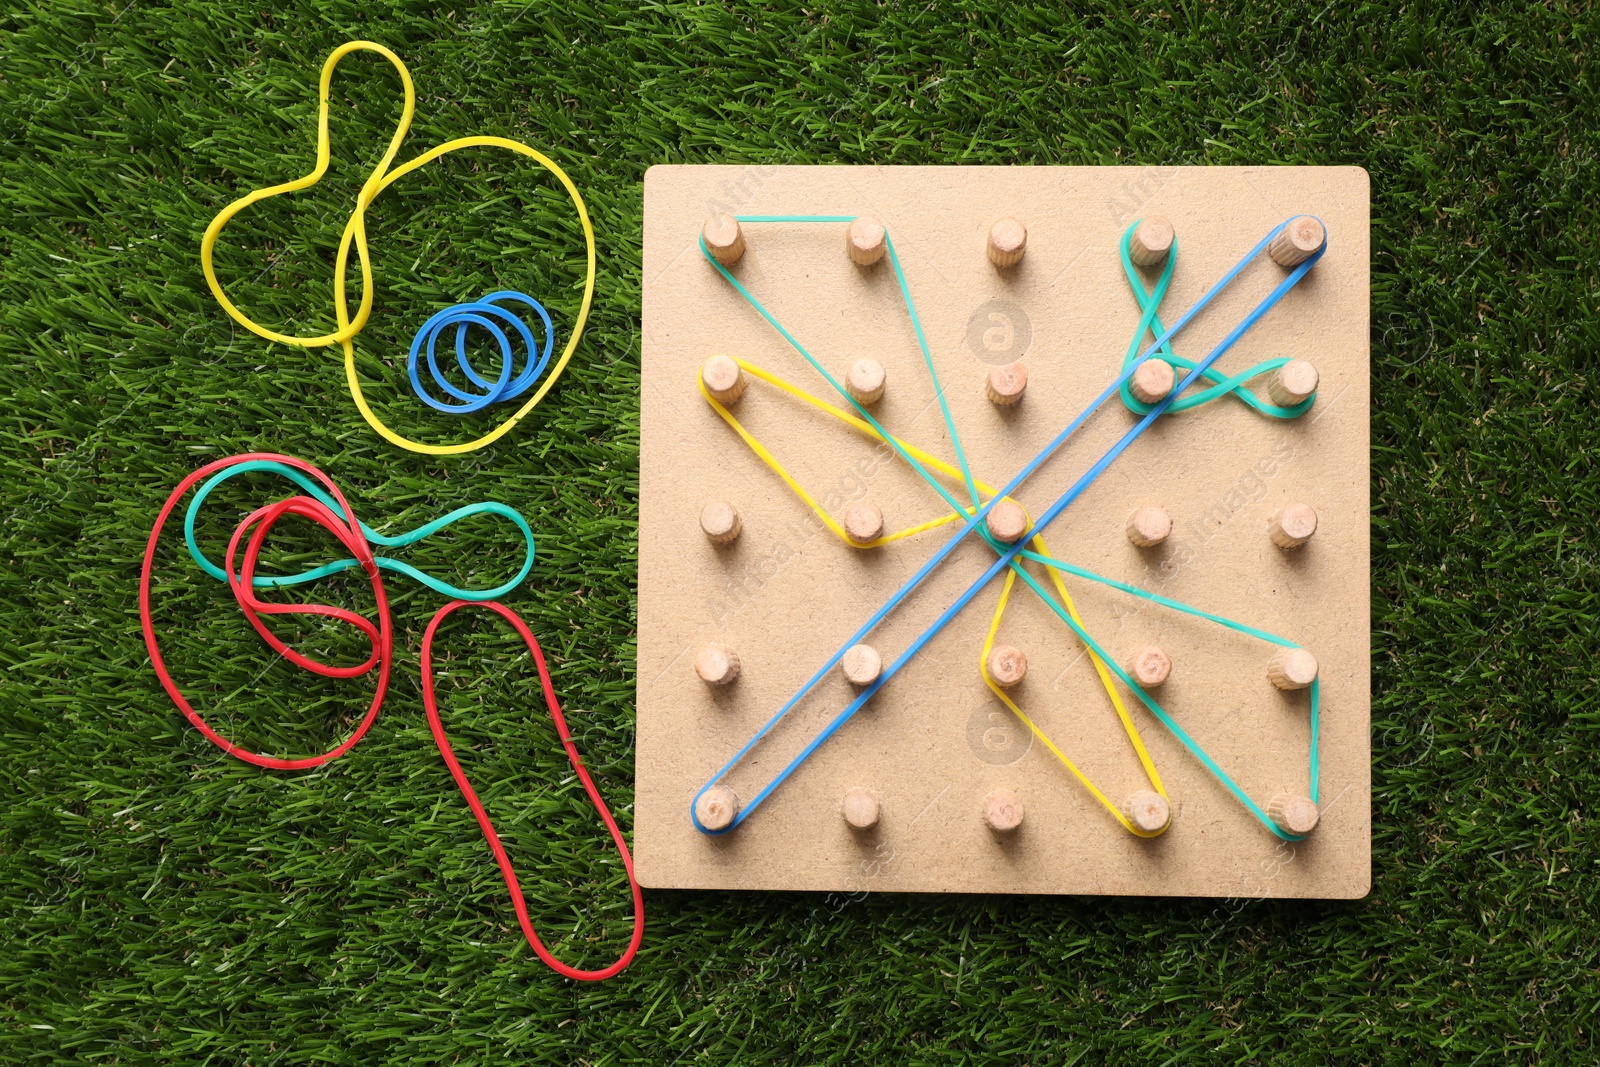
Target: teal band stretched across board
x,y
1150,325
1155,707
488,507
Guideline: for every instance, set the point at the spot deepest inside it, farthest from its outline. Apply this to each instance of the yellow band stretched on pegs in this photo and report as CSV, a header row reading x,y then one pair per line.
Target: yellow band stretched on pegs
x,y
1106,678
355,231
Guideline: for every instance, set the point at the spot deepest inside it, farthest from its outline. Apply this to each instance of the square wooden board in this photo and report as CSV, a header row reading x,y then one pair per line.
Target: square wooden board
x,y
787,594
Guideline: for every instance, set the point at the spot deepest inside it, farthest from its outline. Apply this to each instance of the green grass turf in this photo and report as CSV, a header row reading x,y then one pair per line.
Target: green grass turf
x,y
160,903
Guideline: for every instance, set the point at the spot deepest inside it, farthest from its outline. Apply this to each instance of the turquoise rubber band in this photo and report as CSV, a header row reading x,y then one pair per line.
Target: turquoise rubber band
x,y
398,541
1150,322
1149,702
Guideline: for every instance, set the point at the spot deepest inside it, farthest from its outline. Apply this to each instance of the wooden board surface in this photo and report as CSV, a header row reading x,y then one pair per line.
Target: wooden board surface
x,y
934,741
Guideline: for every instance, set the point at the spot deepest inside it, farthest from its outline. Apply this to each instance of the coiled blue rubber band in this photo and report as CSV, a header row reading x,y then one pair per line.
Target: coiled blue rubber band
x,y
384,562
481,313
1010,553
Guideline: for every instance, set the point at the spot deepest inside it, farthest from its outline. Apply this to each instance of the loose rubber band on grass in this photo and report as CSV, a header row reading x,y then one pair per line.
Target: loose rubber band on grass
x,y
462,316
355,231
329,509
285,580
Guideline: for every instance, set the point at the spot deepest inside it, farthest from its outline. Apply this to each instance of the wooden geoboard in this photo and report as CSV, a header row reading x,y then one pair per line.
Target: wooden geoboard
x,y
787,593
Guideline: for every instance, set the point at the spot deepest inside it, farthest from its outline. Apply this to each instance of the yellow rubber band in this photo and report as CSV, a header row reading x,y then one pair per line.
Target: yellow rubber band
x,y
1106,678
355,231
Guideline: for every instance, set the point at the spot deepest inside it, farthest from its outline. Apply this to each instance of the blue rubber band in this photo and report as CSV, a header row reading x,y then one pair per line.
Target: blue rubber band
x,y
384,562
482,313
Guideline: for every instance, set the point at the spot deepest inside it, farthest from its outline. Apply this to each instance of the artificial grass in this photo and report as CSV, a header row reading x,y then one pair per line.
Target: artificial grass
x,y
162,903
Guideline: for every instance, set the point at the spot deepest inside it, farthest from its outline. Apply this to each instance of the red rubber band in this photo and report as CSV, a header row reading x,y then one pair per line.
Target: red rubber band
x,y
431,703
258,524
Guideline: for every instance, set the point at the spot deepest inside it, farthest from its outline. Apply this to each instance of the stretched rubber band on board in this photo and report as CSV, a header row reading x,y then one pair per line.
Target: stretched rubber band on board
x,y
337,517
922,342
1149,300
1161,713
355,232
1151,774
1010,553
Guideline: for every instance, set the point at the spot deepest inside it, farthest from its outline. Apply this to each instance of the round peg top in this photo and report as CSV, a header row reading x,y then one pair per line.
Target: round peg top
x,y
1292,526
716,807
724,379
1292,668
1293,814
1008,240
1151,242
1002,810
1292,383
860,808
717,664
1149,526
1148,810
863,522
1007,521
1006,383
1152,380
864,380
724,239
865,240
861,665
1150,666
720,522
1299,239
1007,666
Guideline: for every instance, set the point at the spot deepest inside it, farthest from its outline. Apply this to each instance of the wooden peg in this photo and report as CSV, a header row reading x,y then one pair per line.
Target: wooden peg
x,y
1002,810
861,665
1293,814
864,240
1149,526
1292,383
864,380
1006,383
1149,667
724,379
1297,241
1292,526
720,522
1007,521
1151,242
860,808
863,522
1148,810
717,665
1152,381
724,239
1292,668
1007,666
716,807
1008,240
